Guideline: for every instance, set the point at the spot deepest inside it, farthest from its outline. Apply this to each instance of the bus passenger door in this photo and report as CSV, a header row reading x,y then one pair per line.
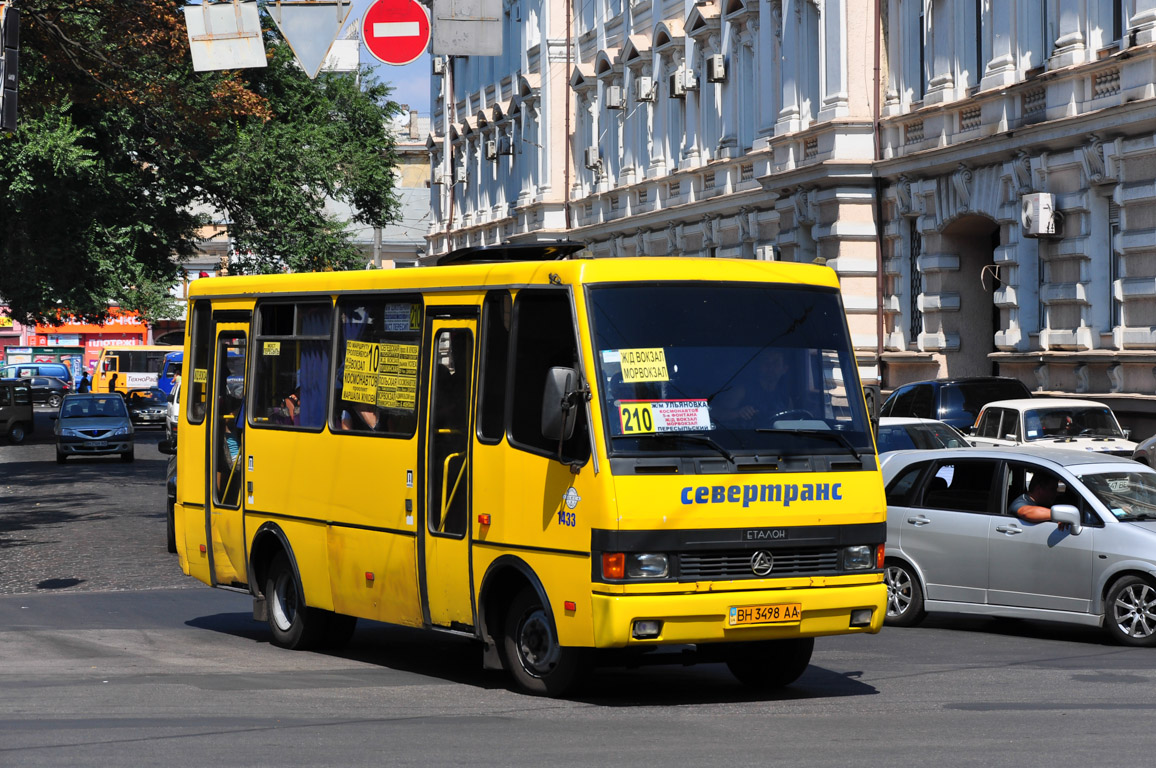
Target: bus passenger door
x,y
445,549
227,453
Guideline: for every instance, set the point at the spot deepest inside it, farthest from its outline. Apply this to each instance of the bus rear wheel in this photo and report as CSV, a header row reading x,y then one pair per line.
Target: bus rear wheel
x,y
293,624
770,664
532,653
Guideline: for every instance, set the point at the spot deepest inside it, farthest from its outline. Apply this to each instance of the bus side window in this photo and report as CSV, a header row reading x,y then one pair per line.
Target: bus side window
x,y
544,337
202,358
291,378
497,314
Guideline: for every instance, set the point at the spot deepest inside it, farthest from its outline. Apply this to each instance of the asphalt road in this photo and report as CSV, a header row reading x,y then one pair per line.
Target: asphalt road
x,y
110,657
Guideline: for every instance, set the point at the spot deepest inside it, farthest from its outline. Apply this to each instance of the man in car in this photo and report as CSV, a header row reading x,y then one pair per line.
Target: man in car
x,y
1035,506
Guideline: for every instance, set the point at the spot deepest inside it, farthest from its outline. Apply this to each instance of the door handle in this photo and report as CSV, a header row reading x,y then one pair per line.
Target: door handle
x,y
1011,530
920,520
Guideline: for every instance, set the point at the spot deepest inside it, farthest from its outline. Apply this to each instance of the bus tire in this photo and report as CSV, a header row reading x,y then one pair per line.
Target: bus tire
x,y
770,664
532,654
294,625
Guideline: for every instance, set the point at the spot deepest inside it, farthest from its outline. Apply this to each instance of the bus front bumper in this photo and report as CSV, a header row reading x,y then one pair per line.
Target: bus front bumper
x,y
706,617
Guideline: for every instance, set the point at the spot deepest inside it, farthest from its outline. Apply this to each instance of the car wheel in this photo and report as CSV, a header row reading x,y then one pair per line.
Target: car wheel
x,y
17,433
770,664
60,457
1130,613
170,527
532,653
128,455
293,624
54,400
904,595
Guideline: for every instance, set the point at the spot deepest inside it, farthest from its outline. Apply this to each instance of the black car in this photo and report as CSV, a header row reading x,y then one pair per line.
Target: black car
x,y
48,390
956,402
147,407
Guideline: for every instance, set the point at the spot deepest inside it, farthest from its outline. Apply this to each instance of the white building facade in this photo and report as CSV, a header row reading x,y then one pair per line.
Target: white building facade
x,y
893,140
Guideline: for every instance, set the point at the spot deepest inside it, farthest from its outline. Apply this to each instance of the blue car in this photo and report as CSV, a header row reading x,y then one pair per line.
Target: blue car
x,y
956,402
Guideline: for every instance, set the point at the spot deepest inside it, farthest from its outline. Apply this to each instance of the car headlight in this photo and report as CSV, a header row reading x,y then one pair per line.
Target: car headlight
x,y
122,431
858,558
68,432
646,566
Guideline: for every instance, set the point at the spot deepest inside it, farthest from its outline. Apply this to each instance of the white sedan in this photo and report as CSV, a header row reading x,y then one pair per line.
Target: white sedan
x,y
1055,422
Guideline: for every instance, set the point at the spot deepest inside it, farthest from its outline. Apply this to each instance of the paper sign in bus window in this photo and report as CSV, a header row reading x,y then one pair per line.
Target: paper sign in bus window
x,y
402,317
397,376
359,381
200,375
271,348
645,416
644,364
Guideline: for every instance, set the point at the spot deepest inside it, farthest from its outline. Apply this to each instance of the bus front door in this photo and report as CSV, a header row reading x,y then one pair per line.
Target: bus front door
x,y
227,453
446,532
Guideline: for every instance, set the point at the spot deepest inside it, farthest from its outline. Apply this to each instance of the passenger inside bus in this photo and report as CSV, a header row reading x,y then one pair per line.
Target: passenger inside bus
x,y
760,390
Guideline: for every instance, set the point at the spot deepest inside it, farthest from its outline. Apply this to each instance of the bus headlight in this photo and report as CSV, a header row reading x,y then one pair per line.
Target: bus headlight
x,y
859,558
646,566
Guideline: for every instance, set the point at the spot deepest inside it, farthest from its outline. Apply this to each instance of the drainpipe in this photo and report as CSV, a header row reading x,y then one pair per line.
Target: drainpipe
x,y
876,87
569,138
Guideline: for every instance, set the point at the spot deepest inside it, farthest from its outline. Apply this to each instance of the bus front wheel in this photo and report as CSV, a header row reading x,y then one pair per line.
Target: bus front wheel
x,y
293,624
533,656
770,664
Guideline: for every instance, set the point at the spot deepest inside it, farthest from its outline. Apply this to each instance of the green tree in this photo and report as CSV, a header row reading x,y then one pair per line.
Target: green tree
x,y
121,149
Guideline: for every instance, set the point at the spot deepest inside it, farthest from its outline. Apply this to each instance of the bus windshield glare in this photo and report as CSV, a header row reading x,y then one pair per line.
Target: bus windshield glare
x,y
702,368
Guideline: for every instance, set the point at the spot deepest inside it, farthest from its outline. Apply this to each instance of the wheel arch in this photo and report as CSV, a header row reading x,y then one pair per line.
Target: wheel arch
x,y
503,579
268,541
897,555
1110,579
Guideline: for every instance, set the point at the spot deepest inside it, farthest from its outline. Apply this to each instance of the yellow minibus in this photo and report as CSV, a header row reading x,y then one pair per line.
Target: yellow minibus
x,y
119,369
569,460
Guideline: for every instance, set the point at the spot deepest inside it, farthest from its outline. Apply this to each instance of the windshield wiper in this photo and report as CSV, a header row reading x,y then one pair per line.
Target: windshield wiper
x,y
693,437
838,437
1131,516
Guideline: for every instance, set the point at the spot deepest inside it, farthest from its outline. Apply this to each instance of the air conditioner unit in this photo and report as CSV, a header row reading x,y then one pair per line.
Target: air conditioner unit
x,y
689,79
645,89
1039,216
439,65
459,174
593,161
677,89
505,146
614,97
436,177
491,150
716,68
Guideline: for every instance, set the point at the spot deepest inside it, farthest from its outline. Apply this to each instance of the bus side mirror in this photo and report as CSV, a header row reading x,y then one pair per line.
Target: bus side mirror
x,y
165,447
559,411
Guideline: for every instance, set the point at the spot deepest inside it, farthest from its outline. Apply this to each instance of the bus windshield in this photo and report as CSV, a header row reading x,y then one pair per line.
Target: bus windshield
x,y
731,368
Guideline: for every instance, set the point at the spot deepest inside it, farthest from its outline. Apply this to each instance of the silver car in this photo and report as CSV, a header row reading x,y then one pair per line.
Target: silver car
x,y
953,545
93,424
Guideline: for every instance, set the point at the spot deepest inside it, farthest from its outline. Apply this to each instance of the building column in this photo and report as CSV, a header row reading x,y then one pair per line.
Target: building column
x,y
942,85
1071,43
1001,70
788,121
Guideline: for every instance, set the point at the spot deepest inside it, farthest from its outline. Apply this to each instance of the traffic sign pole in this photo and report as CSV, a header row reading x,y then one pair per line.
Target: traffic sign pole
x,y
396,31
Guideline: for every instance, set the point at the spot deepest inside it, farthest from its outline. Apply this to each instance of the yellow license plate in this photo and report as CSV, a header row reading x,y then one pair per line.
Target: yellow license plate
x,y
782,613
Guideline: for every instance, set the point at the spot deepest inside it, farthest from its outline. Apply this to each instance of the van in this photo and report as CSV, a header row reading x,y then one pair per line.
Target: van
x,y
15,409
27,370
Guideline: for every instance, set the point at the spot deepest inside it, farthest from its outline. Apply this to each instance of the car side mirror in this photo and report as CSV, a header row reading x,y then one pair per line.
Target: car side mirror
x,y
166,447
1066,513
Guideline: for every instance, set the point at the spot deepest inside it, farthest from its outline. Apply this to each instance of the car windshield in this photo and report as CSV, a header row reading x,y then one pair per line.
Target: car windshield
x,y
111,406
901,437
147,397
1050,423
971,396
730,369
1128,494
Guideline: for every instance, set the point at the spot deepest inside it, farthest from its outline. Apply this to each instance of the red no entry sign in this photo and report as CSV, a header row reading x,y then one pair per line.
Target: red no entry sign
x,y
396,31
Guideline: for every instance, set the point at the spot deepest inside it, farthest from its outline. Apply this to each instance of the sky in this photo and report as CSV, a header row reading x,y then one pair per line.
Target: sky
x,y
410,82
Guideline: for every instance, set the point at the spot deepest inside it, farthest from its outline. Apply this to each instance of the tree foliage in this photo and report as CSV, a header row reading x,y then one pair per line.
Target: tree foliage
x,y
122,151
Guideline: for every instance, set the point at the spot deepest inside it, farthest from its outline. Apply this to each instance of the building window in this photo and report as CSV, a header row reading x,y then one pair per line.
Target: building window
x,y
1115,270
916,243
